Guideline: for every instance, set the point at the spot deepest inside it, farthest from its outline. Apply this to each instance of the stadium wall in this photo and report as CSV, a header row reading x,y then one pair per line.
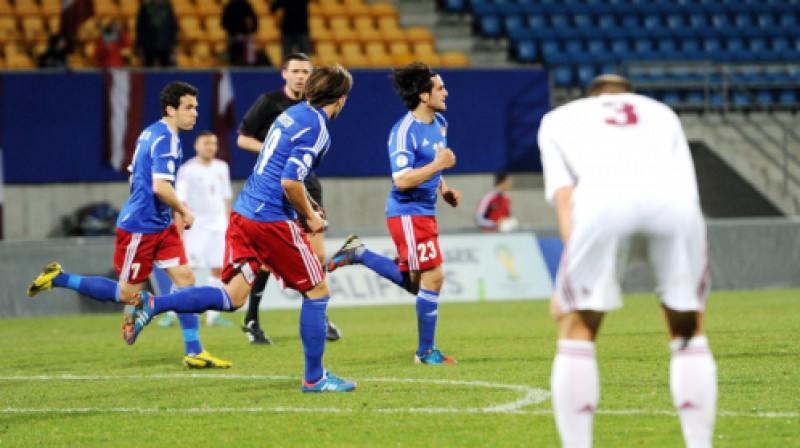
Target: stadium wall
x,y
745,254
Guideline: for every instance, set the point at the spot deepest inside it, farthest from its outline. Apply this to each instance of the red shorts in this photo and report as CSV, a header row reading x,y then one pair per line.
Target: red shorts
x,y
417,242
281,246
135,253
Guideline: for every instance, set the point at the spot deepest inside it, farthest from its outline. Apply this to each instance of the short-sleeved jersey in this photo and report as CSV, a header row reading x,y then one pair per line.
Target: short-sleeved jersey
x,y
263,112
613,146
205,190
493,206
296,142
413,144
158,155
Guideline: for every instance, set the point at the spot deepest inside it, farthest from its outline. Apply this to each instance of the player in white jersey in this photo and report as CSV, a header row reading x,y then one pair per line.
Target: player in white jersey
x,y
204,185
617,164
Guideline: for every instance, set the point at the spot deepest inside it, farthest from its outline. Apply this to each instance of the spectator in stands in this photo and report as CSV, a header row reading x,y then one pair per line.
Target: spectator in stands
x,y
494,209
240,22
55,56
294,29
111,47
156,33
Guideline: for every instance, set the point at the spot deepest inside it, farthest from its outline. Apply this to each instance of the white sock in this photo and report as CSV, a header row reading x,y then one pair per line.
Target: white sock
x,y
693,382
575,384
211,315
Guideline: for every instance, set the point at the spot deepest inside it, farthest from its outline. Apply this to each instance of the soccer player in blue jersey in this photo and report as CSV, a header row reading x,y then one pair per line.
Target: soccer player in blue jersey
x,y
264,229
418,153
146,232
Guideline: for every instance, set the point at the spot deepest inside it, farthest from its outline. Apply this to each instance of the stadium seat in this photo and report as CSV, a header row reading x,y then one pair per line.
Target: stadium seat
x,y
50,8
453,59
214,31
606,22
190,29
455,6
383,9
9,31
526,51
209,8
268,31
562,76
27,8
765,98
787,97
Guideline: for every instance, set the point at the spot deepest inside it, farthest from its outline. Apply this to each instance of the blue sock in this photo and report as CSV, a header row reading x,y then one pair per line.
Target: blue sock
x,y
196,299
312,331
190,326
427,315
385,267
98,288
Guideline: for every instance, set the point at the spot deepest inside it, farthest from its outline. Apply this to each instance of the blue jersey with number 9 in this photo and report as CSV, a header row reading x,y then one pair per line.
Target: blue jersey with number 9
x,y
293,147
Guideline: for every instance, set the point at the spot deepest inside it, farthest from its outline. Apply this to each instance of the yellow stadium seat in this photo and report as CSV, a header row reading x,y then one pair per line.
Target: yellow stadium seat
x,y
331,10
399,47
214,30
317,29
53,23
208,8
182,8
454,59
5,8
190,29
261,8
106,8
402,59
9,31
202,55
88,31
421,48
25,8
268,30
273,51
355,61
431,59
33,29
128,8
51,8
419,34
383,9
341,31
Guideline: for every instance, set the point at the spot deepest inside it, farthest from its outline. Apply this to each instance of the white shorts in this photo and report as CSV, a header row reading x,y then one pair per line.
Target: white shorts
x,y
678,251
205,248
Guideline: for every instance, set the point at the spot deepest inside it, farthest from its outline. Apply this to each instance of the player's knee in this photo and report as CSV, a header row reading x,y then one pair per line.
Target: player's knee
x,y
683,324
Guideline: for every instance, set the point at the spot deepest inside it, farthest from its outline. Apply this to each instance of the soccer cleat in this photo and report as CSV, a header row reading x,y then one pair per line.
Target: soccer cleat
x,y
333,333
255,333
219,321
434,356
167,320
329,383
204,360
140,315
44,281
346,254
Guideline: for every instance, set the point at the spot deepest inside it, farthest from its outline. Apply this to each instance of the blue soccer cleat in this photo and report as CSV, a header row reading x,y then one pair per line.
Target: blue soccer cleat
x,y
434,356
140,315
329,383
346,254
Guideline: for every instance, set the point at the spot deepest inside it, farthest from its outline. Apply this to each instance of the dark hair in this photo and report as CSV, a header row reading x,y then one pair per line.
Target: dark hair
x,y
172,94
327,84
500,177
204,133
411,80
295,57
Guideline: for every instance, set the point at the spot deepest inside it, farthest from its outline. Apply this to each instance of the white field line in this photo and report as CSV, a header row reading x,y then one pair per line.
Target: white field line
x,y
530,396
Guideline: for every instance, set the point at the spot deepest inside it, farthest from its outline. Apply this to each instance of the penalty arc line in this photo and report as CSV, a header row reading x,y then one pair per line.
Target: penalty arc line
x,y
532,396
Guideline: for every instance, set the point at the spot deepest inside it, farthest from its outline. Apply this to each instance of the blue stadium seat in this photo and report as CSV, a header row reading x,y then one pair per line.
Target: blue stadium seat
x,y
712,46
737,51
596,46
694,98
644,48
482,8
697,20
675,21
766,21
787,97
549,47
586,73
765,98
620,46
671,97
455,5
744,21
667,48
788,21
559,21
526,50
536,21
740,99
513,24
652,22
573,46
562,76
582,20
690,48
606,21
629,21
491,26
720,21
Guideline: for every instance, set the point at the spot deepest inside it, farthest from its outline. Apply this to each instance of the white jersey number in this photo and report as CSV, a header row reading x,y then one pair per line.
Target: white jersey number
x,y
268,148
426,252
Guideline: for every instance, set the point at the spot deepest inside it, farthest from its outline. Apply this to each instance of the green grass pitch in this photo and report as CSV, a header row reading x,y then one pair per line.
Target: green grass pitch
x,y
71,381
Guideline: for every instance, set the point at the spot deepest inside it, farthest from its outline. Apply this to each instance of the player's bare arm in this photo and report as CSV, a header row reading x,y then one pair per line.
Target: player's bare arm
x,y
450,195
163,189
445,158
296,193
248,143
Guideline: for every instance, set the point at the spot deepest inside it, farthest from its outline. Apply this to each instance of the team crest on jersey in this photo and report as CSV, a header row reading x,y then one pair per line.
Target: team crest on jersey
x,y
285,120
171,166
401,161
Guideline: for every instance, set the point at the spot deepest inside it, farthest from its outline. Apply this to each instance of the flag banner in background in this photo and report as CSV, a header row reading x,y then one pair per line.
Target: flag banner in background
x,y
123,116
224,121
73,14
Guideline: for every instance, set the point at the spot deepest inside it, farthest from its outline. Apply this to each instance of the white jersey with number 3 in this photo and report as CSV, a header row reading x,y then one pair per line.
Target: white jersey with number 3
x,y
618,145
628,160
